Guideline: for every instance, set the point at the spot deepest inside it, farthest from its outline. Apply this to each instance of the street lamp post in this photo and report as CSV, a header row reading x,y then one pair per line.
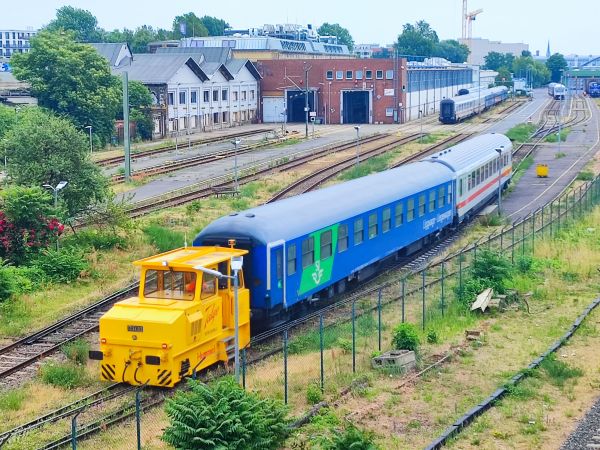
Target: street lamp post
x,y
357,128
499,150
329,106
236,143
421,120
55,189
236,265
89,128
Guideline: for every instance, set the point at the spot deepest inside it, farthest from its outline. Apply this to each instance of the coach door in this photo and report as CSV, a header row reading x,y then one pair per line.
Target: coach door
x,y
276,282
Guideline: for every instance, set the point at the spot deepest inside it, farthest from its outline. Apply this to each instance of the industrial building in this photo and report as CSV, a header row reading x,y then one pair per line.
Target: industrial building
x,y
481,47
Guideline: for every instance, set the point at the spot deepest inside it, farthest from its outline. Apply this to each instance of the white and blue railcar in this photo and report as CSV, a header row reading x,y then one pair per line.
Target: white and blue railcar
x,y
557,91
453,110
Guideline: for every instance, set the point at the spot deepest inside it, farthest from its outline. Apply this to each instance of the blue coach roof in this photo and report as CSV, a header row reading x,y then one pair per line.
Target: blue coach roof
x,y
305,213
478,94
473,151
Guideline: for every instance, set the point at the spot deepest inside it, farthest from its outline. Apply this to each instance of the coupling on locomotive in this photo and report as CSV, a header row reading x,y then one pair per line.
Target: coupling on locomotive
x,y
298,253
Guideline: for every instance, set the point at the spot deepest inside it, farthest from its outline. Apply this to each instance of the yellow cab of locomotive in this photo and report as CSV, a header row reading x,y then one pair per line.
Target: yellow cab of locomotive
x,y
181,321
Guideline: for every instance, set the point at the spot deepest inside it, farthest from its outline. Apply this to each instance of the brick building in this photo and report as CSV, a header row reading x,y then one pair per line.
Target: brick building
x,y
339,90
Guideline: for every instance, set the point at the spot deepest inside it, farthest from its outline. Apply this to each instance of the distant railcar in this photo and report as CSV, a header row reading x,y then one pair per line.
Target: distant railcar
x,y
456,109
593,89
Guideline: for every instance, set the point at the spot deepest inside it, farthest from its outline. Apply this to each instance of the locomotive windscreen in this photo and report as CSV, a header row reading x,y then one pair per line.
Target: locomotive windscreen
x,y
447,109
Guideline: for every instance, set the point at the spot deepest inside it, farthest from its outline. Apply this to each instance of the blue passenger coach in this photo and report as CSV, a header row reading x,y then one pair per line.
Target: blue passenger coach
x,y
308,247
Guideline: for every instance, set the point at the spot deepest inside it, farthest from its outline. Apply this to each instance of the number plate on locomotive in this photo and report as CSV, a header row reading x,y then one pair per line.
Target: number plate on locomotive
x,y
135,328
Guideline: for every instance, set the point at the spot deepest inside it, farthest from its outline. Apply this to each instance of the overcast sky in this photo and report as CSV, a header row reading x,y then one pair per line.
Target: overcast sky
x,y
571,28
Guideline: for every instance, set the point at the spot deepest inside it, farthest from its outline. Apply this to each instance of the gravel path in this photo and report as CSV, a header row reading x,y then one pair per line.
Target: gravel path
x,y
587,434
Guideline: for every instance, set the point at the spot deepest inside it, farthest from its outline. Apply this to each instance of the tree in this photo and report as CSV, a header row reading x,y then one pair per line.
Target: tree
x,y
494,60
72,79
452,50
45,149
556,64
8,117
81,22
140,101
215,27
526,53
418,40
188,25
335,29
504,78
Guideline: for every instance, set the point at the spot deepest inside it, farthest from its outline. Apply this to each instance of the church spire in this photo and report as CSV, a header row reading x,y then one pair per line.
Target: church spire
x,y
548,54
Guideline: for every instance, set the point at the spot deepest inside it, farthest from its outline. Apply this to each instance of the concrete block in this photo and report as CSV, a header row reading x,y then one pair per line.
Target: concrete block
x,y
395,359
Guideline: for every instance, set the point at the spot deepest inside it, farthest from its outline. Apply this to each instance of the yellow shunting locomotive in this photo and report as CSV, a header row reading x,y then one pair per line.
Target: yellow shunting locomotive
x,y
181,321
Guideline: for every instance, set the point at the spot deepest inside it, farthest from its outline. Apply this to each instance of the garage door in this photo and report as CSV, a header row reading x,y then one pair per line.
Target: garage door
x,y
272,109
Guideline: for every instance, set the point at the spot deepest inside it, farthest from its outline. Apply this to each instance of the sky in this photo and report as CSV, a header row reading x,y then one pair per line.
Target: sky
x,y
572,28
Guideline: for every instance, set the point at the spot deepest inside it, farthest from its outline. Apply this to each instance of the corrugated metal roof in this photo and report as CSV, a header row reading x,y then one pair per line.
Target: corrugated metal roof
x,y
209,54
302,214
110,51
154,68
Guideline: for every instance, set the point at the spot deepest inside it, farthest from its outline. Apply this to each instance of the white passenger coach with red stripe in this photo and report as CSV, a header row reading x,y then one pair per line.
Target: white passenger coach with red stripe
x,y
478,165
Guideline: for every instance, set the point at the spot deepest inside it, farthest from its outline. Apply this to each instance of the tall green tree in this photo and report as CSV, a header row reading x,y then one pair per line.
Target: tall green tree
x,y
188,25
72,79
504,77
45,149
215,26
494,60
81,22
418,39
556,64
335,29
8,116
140,101
452,50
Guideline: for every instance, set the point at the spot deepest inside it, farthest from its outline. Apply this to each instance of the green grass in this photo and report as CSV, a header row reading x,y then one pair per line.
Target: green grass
x,y
560,155
559,372
77,351
429,139
371,165
553,137
163,238
521,133
585,175
63,375
287,142
12,400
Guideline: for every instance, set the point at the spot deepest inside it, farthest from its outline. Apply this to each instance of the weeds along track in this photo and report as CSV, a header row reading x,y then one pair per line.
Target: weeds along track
x,y
109,162
19,360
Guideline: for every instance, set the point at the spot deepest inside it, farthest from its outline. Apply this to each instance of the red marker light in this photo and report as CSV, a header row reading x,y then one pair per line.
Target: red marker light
x,y
164,346
103,340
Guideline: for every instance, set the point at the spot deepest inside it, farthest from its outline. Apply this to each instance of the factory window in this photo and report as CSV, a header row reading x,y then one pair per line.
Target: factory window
x,y
194,97
369,74
329,75
224,93
379,74
372,225
206,96
308,252
209,286
359,74
387,220
399,214
170,98
291,259
442,196
358,231
339,74
431,206
349,75
326,247
244,96
342,238
170,284
421,205
235,95
389,74
215,95
225,119
251,94
410,210
182,98
216,117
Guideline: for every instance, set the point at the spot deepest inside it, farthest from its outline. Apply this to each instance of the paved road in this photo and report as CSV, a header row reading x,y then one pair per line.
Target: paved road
x,y
532,192
532,110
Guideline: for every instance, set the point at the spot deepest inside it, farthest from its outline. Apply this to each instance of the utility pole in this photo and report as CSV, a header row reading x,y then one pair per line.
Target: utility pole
x,y
126,127
306,109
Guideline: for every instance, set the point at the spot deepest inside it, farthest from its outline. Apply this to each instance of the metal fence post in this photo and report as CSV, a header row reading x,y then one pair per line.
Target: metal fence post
x,y
475,250
423,295
353,337
403,297
460,260
443,264
523,238
533,236
558,217
74,431
512,247
551,216
285,368
322,349
138,417
502,240
379,320
542,228
244,368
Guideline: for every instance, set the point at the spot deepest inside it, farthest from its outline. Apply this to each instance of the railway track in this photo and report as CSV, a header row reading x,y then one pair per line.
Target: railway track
x,y
109,162
20,359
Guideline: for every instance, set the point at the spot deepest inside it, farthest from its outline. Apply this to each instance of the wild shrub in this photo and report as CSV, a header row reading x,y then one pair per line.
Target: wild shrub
x,y
493,269
313,394
432,337
61,266
558,371
585,175
405,337
344,344
96,239
77,351
225,416
64,375
193,207
12,400
8,285
353,438
163,238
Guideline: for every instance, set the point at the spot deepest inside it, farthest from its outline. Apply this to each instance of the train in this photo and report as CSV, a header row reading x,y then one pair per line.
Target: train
x,y
453,110
557,91
593,89
297,254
